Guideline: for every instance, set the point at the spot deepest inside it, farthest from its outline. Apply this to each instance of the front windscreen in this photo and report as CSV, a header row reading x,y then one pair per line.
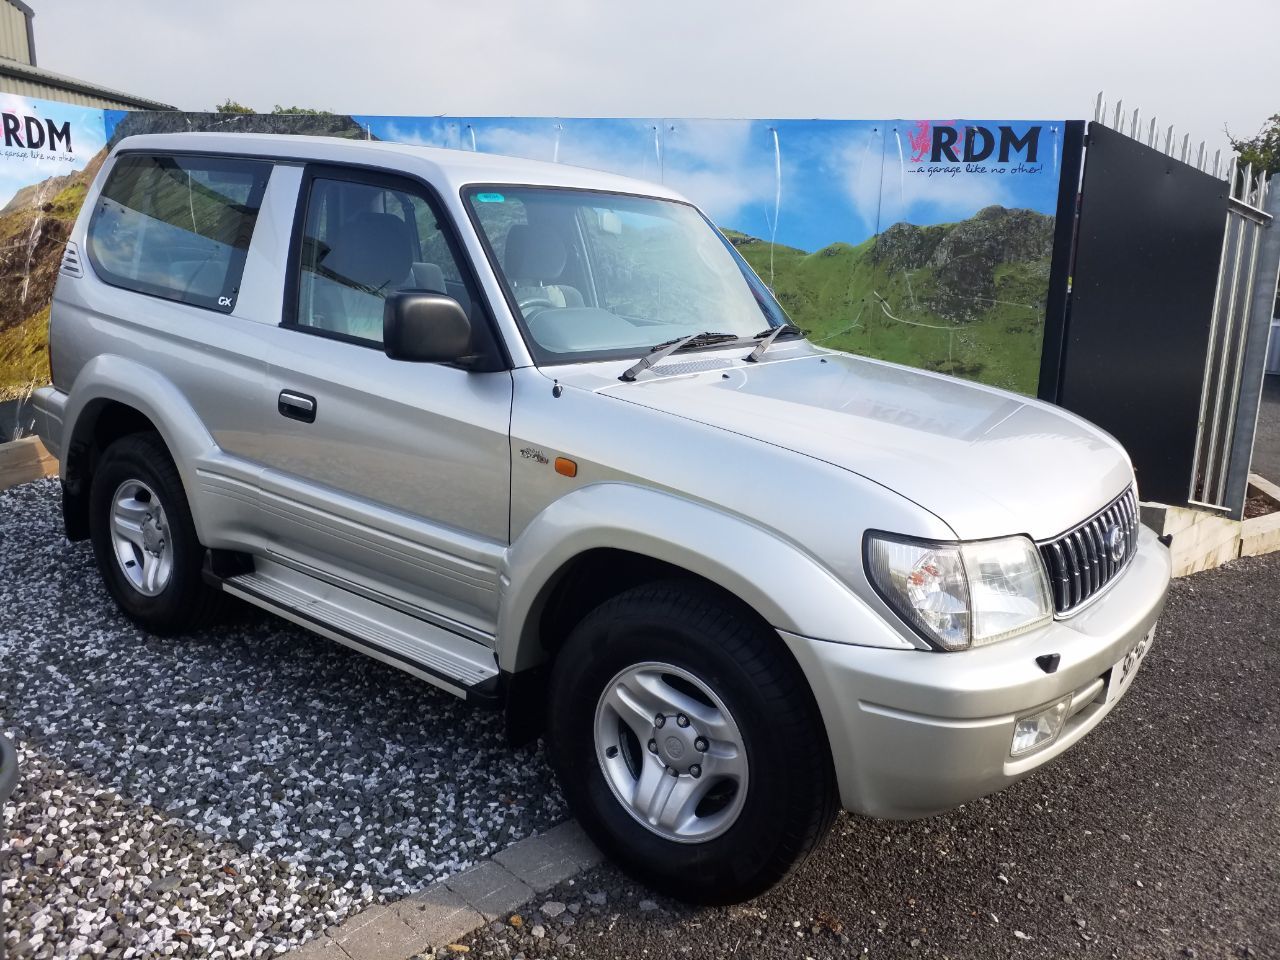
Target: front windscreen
x,y
594,275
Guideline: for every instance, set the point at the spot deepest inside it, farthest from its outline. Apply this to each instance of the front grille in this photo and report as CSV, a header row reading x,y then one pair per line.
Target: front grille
x,y
1084,560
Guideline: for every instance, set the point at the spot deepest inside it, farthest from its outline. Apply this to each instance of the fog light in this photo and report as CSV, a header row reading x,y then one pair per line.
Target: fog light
x,y
1038,729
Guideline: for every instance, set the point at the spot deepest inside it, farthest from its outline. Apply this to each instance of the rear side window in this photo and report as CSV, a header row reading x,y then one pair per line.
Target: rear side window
x,y
177,227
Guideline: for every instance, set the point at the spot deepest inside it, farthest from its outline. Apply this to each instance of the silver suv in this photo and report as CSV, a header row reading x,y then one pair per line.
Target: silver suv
x,y
538,436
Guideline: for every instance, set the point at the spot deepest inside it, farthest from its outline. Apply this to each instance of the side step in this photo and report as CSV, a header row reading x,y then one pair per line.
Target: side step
x,y
454,663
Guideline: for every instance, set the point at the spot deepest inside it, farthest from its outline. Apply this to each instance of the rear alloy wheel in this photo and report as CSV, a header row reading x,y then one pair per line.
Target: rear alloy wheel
x,y
688,743
140,538
144,538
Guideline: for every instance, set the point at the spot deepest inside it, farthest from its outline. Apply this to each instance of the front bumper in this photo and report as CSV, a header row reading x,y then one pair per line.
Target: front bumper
x,y
914,733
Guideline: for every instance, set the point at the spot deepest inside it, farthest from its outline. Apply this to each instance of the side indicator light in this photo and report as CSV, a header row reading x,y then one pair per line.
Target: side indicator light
x,y
566,467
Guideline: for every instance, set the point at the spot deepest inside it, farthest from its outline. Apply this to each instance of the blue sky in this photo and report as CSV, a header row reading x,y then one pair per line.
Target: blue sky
x,y
841,180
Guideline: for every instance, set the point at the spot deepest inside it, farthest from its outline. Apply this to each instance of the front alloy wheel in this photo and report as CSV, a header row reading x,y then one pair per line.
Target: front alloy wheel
x,y
671,752
688,743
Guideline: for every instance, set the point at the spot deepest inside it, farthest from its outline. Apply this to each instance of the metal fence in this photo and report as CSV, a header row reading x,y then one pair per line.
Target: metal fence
x,y
1224,366
1273,352
1149,132
1241,319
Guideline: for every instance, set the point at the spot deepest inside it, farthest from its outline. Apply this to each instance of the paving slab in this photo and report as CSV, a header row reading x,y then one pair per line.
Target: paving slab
x,y
319,948
571,838
438,915
551,857
490,889
378,933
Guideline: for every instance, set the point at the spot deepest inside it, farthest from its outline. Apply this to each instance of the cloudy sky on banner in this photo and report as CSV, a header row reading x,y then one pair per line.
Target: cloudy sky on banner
x,y
1192,62
839,179
20,167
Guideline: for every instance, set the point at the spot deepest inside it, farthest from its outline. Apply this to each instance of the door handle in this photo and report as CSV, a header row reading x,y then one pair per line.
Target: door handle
x,y
297,406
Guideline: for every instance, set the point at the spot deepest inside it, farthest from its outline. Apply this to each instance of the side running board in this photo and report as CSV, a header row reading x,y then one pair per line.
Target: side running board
x,y
454,663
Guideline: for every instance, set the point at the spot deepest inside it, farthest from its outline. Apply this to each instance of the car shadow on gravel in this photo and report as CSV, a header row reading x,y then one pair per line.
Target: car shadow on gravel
x,y
1157,836
254,731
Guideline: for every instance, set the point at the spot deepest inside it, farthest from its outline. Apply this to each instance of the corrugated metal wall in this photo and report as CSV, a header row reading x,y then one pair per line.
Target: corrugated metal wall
x,y
23,78
13,33
42,91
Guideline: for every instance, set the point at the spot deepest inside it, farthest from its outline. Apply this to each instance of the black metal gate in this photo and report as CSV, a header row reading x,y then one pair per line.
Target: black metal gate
x,y
1143,286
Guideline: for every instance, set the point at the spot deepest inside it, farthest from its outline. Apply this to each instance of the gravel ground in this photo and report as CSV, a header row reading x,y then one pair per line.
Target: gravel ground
x,y
1158,836
251,774
96,871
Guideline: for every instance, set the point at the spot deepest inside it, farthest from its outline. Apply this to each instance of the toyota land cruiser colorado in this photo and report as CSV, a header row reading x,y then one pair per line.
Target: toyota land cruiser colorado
x,y
538,436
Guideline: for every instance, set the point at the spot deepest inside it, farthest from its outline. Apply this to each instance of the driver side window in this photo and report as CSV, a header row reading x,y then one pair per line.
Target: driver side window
x,y
361,242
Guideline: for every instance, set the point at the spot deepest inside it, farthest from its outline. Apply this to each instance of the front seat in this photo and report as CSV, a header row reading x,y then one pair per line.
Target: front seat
x,y
370,257
534,259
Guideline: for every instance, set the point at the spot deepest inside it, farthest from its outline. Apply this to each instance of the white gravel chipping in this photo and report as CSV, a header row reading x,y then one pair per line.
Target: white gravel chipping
x,y
324,779
91,874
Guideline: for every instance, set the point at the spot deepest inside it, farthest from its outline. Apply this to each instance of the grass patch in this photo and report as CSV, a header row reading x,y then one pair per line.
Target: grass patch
x,y
991,330
24,356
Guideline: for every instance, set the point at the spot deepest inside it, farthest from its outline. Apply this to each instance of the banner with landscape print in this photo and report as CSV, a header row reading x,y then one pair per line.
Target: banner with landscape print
x,y
51,152
925,242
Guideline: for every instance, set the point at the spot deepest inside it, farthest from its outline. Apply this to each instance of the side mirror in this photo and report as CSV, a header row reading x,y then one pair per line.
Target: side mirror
x,y
425,327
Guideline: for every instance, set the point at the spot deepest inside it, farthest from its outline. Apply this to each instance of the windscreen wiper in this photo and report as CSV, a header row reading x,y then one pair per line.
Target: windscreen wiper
x,y
768,337
661,351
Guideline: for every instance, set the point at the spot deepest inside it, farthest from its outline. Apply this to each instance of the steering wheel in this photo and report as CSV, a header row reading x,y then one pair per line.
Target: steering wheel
x,y
535,302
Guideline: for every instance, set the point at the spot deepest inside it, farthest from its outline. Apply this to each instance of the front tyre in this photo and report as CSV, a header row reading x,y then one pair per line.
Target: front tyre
x,y
144,538
688,743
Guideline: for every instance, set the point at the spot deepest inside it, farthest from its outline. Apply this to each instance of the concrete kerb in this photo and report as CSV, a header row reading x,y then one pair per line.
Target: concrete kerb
x,y
450,909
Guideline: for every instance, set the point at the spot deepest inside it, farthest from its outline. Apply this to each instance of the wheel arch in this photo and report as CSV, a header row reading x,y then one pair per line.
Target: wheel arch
x,y
593,576
112,398
605,538
102,422
785,586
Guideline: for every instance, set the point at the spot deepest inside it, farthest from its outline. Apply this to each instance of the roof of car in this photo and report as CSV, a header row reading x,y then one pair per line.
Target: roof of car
x,y
454,168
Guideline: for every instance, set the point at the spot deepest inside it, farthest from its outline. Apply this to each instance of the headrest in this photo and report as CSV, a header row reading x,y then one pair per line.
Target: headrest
x,y
534,253
428,276
371,250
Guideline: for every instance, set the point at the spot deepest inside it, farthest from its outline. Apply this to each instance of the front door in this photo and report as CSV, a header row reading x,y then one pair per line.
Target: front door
x,y
387,477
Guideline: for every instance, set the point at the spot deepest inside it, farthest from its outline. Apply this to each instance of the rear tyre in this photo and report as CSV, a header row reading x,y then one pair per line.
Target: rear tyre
x,y
688,743
145,540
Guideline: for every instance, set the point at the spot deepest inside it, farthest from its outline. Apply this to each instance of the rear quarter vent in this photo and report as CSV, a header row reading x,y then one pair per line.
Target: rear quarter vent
x,y
71,266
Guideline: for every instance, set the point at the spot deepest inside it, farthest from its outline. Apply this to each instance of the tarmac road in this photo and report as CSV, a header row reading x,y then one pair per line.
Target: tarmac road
x,y
1157,836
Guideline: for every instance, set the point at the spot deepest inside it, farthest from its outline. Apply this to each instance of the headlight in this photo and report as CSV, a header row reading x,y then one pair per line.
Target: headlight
x,y
959,595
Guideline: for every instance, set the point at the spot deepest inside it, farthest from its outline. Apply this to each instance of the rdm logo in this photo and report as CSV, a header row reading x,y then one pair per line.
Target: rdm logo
x,y
34,133
974,144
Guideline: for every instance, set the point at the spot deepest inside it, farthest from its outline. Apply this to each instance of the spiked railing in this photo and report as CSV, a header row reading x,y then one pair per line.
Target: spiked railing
x,y
1247,186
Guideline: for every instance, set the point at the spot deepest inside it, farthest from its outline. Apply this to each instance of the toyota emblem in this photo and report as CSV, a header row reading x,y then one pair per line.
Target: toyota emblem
x,y
1117,543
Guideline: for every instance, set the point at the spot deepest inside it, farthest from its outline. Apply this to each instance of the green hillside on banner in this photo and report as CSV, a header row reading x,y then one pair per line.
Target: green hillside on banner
x,y
965,298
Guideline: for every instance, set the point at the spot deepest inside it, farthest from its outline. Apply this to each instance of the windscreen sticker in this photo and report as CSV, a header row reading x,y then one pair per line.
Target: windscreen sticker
x,y
491,198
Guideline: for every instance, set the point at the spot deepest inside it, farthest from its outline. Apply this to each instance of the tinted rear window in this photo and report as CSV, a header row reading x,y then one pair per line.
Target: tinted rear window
x,y
177,227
